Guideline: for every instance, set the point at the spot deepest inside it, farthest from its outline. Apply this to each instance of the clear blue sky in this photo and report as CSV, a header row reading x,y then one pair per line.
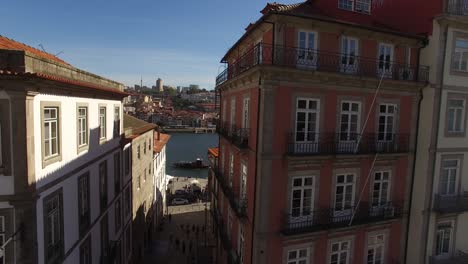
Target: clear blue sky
x,y
181,41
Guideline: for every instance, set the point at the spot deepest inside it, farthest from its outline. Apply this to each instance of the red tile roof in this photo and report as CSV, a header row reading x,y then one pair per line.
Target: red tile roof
x,y
9,44
62,80
159,144
213,151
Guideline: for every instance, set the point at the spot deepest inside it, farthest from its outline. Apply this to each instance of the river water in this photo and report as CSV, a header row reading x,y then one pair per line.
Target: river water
x,y
188,147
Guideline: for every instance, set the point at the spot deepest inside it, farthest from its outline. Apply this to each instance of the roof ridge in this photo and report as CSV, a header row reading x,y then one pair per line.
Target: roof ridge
x,y
19,44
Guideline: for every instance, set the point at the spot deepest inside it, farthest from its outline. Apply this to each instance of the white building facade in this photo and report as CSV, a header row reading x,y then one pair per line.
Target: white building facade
x,y
160,177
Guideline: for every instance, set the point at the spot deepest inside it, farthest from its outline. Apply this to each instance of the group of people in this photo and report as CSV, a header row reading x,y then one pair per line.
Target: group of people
x,y
186,239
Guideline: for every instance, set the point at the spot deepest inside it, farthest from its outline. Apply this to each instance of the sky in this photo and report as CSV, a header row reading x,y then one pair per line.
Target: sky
x,y
181,42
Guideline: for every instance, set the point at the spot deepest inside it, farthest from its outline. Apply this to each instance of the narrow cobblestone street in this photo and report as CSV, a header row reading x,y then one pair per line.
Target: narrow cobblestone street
x,y
165,250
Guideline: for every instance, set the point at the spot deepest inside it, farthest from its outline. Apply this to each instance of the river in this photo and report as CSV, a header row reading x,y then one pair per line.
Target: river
x,y
188,147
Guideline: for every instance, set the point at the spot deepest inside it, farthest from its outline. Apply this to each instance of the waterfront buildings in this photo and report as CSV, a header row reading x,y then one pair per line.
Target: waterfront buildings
x,y
140,135
439,213
61,176
319,111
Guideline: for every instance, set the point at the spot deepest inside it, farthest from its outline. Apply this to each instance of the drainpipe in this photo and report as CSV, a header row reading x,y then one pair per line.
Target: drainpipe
x,y
436,138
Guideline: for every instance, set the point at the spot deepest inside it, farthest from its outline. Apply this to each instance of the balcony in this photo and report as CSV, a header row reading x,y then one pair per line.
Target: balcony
x,y
337,144
323,61
237,136
459,257
457,7
238,204
451,203
331,218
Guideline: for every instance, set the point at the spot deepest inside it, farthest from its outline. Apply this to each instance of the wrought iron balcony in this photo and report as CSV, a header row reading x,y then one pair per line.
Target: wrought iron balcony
x,y
237,136
323,61
459,257
237,203
334,144
330,218
451,203
457,7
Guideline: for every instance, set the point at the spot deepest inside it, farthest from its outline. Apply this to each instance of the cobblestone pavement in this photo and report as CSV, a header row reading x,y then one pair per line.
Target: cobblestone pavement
x,y
164,249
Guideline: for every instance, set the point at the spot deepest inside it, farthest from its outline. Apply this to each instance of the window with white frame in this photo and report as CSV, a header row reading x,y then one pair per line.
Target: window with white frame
x,y
381,188
53,228
51,132
455,115
340,252
116,121
361,6
349,54
460,55
307,122
448,177
231,168
2,239
349,120
241,245
385,59
444,235
302,196
102,123
82,126
307,44
386,122
376,249
344,192
233,114
243,178
298,256
245,113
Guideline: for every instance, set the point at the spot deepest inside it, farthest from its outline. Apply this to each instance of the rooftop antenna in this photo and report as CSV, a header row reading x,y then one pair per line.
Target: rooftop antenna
x,y
60,52
42,47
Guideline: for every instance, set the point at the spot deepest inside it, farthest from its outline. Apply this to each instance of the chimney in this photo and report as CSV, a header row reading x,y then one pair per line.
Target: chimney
x,y
159,134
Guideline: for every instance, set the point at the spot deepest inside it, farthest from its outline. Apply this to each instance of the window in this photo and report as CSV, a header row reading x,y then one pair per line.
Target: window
x,y
231,168
104,237
241,245
460,55
128,205
381,189
340,252
138,182
448,177
83,203
144,147
307,53
117,174
349,121
149,169
376,249
118,215
149,143
385,59
443,239
51,132
302,196
82,126
298,256
127,161
103,185
85,252
361,6
138,152
245,113
53,227
233,114
386,122
144,174
116,121
243,186
344,194
102,123
307,125
349,55
456,116
2,239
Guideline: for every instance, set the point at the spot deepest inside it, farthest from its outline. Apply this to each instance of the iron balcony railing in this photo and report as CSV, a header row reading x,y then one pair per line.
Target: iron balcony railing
x,y
335,218
340,143
457,7
458,257
451,203
237,201
323,61
237,136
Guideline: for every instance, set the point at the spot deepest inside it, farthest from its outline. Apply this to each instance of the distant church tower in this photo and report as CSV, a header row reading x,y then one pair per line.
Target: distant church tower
x,y
159,85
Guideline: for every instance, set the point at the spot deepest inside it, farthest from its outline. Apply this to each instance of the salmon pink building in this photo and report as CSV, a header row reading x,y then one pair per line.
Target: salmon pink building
x,y
318,115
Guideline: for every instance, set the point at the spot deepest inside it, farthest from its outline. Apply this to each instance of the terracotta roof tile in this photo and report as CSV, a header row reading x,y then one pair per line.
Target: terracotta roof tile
x,y
214,151
159,144
9,44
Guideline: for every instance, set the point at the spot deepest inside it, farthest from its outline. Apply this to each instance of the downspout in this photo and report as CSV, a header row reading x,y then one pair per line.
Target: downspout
x,y
257,146
436,138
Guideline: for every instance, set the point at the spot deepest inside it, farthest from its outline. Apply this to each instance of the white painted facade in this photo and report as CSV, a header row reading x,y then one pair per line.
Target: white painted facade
x,y
160,180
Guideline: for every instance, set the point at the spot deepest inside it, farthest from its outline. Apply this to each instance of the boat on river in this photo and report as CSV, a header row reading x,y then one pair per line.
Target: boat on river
x,y
197,164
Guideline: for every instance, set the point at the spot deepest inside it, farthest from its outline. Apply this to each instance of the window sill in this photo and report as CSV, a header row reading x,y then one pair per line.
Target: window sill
x,y
51,160
102,140
82,148
454,134
458,72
